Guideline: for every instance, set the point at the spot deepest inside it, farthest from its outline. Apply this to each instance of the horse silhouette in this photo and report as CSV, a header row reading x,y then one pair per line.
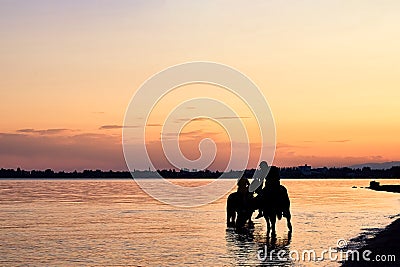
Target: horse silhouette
x,y
239,209
272,200
275,205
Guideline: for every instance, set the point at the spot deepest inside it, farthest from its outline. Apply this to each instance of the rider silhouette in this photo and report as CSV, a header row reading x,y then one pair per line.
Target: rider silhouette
x,y
257,184
277,195
243,185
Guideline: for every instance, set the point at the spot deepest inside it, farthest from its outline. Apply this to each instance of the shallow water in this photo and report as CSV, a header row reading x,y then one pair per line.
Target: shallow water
x,y
112,222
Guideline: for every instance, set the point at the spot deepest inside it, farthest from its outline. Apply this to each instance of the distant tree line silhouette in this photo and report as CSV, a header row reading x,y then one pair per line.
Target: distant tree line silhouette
x,y
49,173
287,172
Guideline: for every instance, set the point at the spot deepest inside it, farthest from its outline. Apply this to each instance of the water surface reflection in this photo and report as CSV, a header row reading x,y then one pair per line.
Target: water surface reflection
x,y
113,223
252,247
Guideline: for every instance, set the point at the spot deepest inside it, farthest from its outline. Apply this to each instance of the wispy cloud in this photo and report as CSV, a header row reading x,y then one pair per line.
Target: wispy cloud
x,y
233,117
43,131
215,118
284,145
114,126
339,141
201,133
194,134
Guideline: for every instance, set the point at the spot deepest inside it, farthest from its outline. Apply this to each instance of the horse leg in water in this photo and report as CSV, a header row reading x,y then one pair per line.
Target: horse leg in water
x,y
289,224
249,221
230,218
268,224
244,215
241,219
231,210
272,218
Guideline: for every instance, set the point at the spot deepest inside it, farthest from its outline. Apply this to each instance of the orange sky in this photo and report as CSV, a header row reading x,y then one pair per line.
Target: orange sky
x,y
330,71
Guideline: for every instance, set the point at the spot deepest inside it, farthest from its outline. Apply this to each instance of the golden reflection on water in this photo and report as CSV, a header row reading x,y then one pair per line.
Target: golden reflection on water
x,y
189,183
112,222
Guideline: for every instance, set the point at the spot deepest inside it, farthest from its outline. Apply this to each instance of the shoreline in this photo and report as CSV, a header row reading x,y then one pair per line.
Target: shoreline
x,y
385,243
199,178
285,172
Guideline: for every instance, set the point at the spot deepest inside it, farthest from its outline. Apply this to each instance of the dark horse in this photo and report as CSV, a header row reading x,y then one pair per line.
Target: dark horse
x,y
239,208
275,204
272,201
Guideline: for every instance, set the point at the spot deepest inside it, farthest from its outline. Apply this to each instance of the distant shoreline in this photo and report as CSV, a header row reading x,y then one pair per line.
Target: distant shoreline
x,y
188,178
300,172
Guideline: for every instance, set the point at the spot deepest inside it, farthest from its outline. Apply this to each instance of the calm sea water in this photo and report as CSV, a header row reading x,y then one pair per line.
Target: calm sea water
x,y
113,223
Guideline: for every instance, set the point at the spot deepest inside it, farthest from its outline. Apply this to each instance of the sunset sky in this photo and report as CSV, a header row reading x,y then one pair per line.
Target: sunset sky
x,y
330,71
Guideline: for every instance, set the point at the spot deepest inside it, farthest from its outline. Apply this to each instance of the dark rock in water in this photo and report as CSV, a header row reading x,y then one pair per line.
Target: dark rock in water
x,y
374,185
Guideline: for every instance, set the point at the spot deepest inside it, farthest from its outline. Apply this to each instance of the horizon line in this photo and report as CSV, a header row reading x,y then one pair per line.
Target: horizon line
x,y
202,170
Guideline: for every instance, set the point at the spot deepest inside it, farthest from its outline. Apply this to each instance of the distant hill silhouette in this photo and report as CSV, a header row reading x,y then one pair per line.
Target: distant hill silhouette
x,y
377,166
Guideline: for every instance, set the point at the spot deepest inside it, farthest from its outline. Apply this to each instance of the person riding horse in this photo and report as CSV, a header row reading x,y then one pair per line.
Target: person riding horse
x,y
275,200
257,186
272,200
240,202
